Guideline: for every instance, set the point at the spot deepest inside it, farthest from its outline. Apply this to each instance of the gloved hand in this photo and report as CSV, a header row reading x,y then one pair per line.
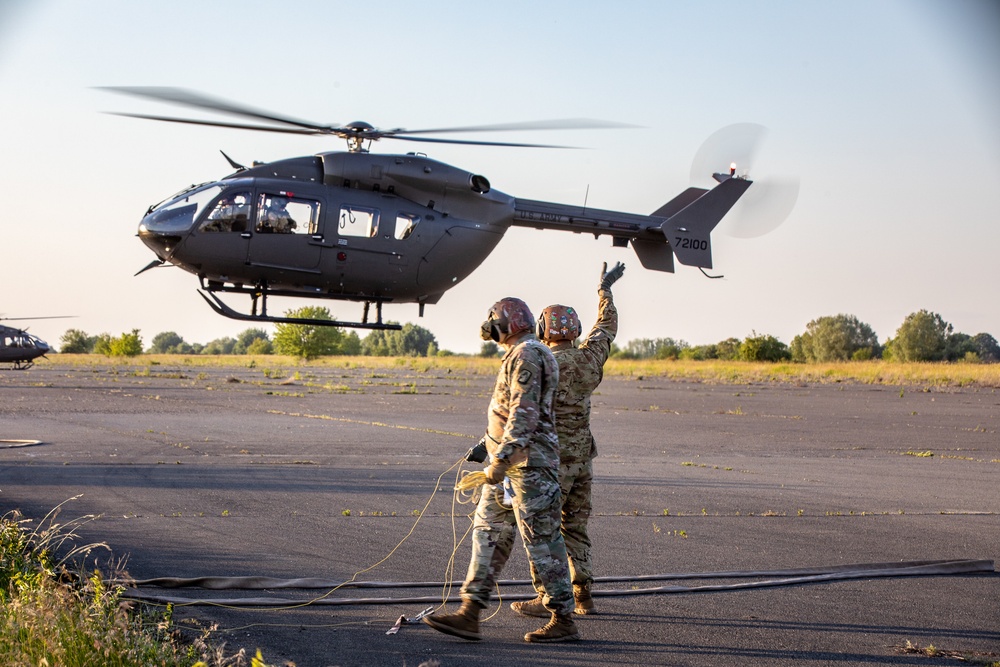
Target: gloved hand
x,y
496,471
608,278
478,453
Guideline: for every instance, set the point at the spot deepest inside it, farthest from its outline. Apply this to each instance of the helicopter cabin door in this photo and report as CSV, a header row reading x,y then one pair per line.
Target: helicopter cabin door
x,y
286,234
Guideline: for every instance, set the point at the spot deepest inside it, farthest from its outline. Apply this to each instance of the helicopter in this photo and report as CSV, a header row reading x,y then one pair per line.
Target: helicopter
x,y
381,228
20,348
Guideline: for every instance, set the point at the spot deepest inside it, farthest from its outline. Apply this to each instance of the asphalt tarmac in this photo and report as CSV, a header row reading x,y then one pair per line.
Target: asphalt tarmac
x,y
322,473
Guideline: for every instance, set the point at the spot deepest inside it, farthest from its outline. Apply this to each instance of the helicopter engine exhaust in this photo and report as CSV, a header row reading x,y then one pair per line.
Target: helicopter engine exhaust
x,y
479,184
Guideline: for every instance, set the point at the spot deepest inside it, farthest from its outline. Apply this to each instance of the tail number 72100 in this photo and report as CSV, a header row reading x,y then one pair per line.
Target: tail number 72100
x,y
691,244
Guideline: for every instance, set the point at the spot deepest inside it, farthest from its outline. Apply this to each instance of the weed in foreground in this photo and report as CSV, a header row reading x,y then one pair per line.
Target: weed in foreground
x,y
986,658
54,612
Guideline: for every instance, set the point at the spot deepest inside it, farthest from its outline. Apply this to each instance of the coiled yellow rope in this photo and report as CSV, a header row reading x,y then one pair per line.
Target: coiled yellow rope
x,y
471,481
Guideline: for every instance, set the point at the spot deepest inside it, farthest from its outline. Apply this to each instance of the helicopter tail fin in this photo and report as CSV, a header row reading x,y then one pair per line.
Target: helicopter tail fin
x,y
692,217
679,202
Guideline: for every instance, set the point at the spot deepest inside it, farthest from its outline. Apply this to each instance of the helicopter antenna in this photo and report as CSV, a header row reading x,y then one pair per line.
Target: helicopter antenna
x,y
586,196
233,163
708,276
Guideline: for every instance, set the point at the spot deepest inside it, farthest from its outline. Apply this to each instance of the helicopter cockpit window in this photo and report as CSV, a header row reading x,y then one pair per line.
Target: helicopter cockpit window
x,y
357,221
285,214
179,214
230,214
405,223
19,340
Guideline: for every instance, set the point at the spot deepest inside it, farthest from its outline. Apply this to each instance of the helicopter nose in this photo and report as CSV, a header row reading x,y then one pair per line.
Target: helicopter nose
x,y
160,243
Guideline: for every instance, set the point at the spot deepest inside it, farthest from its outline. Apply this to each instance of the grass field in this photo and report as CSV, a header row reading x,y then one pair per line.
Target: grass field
x,y
937,374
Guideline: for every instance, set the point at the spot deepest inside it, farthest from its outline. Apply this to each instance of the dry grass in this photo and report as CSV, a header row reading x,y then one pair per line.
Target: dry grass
x,y
862,372
737,372
470,365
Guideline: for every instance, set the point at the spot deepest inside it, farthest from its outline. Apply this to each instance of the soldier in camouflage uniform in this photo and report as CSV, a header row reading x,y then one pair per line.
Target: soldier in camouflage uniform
x,y
524,456
276,218
581,369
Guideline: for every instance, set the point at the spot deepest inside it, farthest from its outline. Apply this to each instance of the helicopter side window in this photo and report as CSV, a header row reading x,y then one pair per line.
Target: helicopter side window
x,y
285,214
230,214
357,221
405,224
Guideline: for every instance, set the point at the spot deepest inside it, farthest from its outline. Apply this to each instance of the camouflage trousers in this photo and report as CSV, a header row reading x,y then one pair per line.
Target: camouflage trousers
x,y
536,507
576,479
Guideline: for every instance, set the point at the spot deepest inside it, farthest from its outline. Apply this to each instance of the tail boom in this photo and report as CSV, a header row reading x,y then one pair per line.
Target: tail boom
x,y
681,227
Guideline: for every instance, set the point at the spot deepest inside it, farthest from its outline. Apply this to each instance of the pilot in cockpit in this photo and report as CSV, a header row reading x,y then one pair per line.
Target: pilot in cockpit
x,y
229,215
276,218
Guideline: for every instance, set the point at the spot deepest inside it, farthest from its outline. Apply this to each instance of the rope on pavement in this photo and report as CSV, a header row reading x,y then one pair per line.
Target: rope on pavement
x,y
10,444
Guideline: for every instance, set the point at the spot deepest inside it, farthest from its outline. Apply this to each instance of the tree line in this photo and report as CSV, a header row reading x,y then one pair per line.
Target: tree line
x,y
923,336
299,340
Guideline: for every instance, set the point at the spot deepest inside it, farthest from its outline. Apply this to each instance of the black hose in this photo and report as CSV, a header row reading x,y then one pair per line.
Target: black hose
x,y
787,577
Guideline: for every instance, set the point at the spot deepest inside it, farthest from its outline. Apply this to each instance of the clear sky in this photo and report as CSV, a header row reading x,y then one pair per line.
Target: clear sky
x,y
886,111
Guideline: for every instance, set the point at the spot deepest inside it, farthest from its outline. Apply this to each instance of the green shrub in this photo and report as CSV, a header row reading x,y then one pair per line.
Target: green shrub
x,y
126,345
834,338
923,336
763,348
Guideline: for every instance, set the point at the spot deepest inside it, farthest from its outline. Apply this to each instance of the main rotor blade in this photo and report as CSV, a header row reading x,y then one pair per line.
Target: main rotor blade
x,y
200,101
563,124
429,140
212,123
289,130
353,131
50,317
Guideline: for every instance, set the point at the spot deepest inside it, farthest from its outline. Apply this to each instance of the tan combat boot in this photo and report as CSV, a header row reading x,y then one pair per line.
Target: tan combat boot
x,y
463,623
531,608
559,629
584,603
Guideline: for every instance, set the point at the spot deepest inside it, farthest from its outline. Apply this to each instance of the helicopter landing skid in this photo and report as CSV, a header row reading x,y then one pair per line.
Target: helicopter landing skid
x,y
224,310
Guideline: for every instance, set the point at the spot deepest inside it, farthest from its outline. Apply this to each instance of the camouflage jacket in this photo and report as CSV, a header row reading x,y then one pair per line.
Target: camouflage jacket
x,y
521,422
581,369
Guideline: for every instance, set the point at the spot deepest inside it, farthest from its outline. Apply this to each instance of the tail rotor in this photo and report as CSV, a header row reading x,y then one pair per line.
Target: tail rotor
x,y
771,199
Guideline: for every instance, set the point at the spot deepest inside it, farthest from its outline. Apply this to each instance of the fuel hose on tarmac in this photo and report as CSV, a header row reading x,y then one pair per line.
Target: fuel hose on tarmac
x,y
763,579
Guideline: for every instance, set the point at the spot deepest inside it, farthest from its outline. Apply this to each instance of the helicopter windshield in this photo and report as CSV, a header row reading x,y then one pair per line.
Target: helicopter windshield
x,y
23,340
178,214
